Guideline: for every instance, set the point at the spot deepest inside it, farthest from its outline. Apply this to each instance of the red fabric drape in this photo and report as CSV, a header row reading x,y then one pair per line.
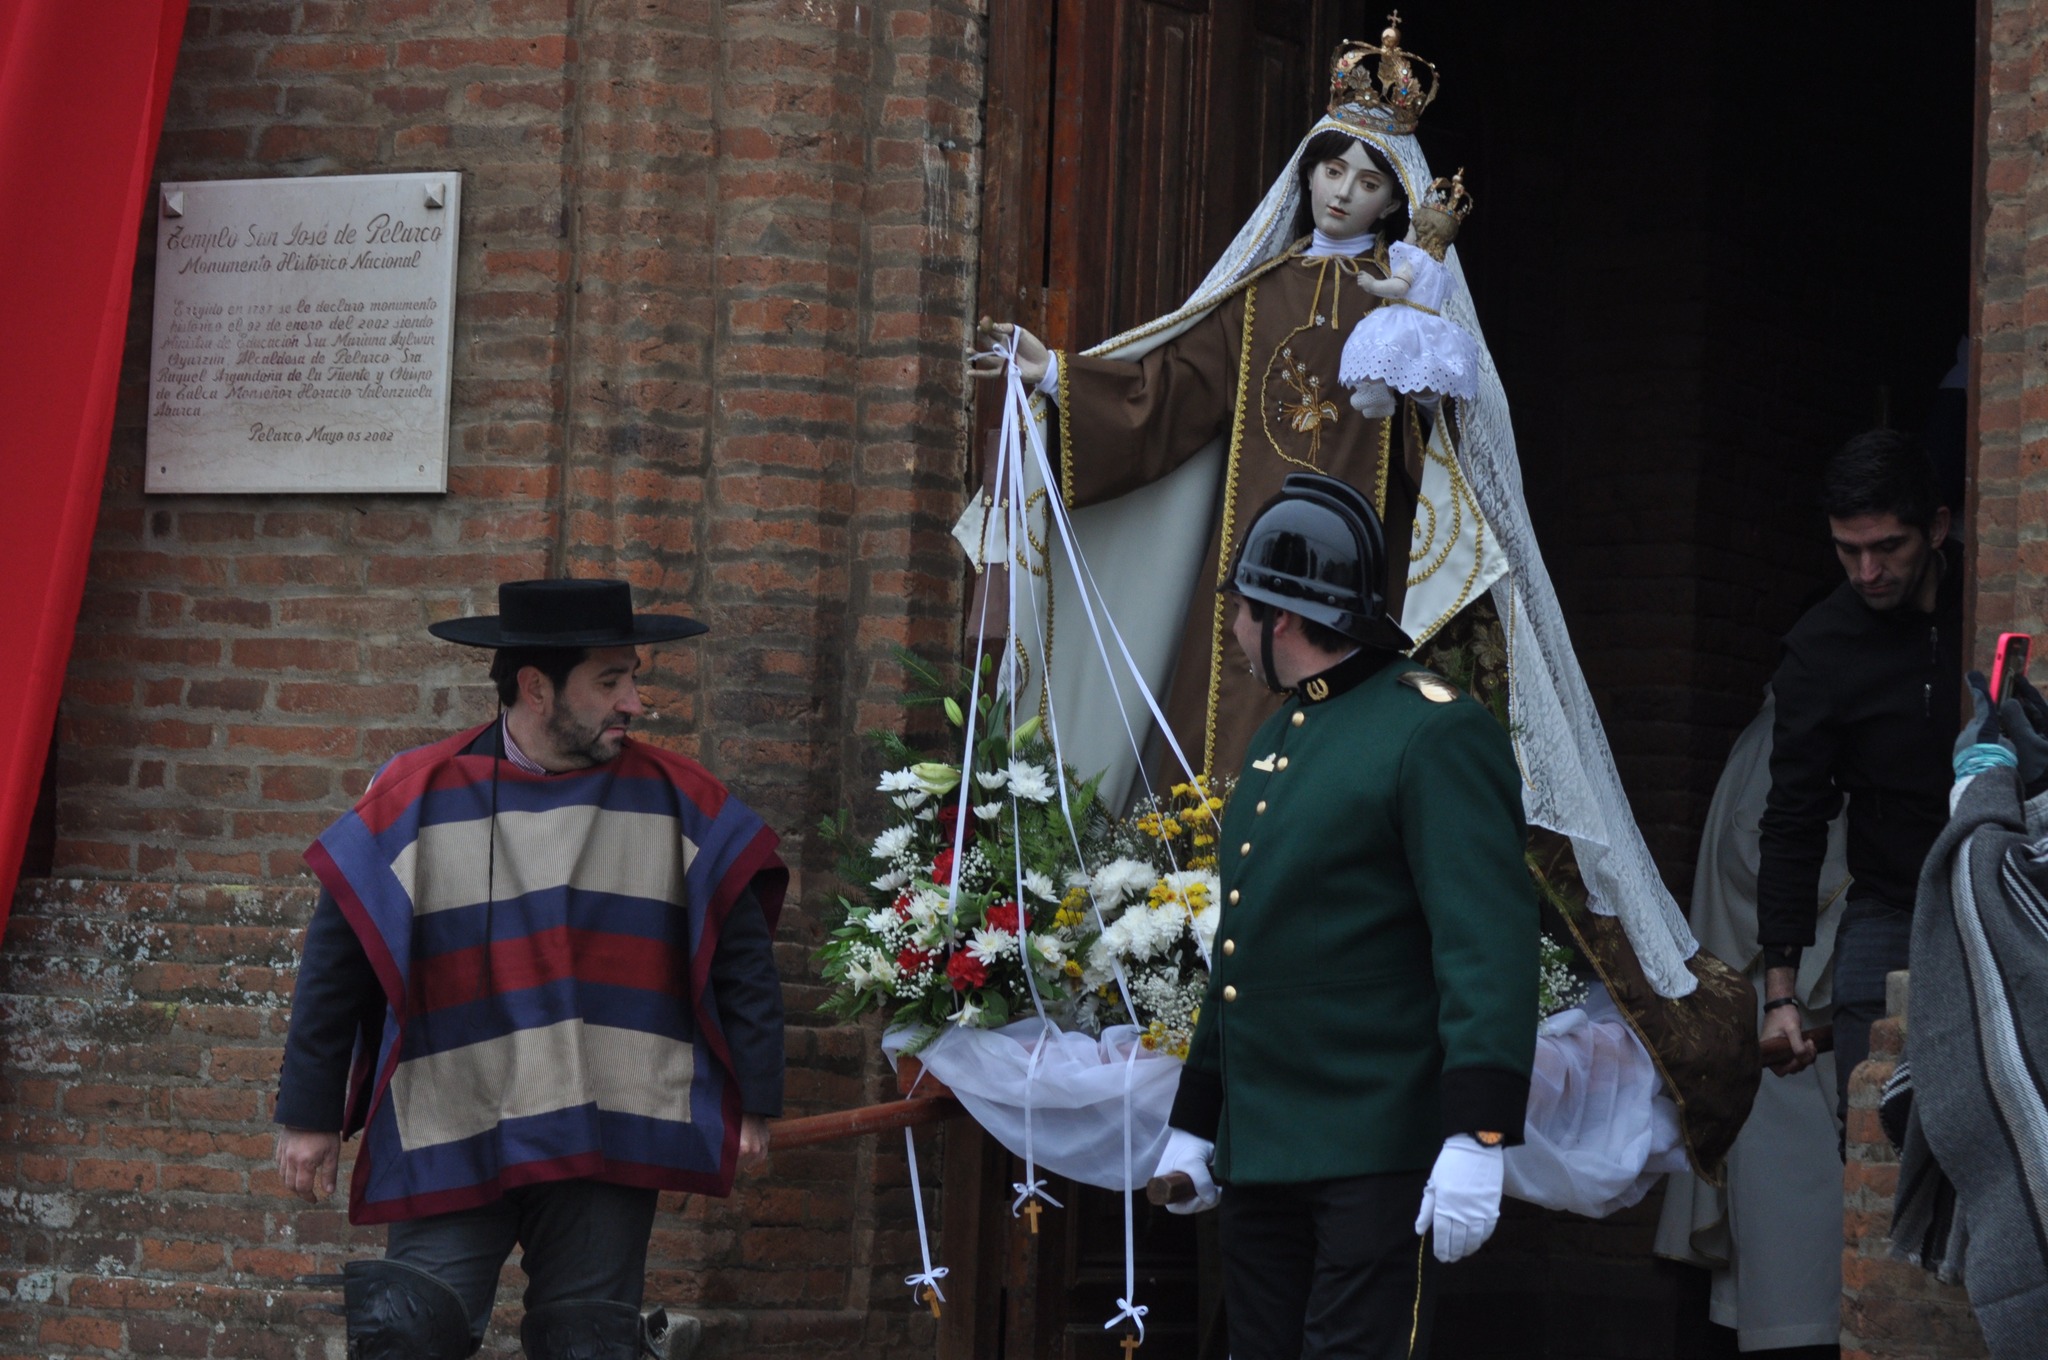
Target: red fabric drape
x,y
82,91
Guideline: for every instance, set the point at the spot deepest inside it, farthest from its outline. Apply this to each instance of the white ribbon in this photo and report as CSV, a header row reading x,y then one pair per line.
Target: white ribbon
x,y
929,1277
1018,435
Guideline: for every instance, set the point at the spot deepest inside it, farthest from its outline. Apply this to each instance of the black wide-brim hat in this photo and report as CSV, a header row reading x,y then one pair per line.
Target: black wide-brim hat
x,y
581,613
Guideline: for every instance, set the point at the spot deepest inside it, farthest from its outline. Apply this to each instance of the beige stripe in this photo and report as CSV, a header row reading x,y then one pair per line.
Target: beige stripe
x,y
467,1091
629,853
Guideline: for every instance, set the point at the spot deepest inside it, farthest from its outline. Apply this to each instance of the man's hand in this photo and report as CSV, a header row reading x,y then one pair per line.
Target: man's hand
x,y
1461,1202
753,1142
1032,356
1192,1156
1783,1022
308,1162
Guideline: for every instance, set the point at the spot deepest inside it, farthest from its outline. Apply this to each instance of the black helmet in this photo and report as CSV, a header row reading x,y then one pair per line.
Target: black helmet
x,y
1317,550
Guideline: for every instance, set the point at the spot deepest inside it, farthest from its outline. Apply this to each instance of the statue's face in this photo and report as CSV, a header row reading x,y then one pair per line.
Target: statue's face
x,y
1349,196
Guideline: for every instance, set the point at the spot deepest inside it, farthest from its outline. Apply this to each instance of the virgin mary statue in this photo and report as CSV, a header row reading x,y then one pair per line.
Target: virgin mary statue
x,y
1170,437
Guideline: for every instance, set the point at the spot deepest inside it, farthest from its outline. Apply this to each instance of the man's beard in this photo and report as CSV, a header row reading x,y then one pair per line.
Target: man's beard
x,y
586,743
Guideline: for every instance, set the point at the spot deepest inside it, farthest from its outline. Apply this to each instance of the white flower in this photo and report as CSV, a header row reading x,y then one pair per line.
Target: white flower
x,y
891,881
988,812
969,1014
896,781
1050,947
892,842
915,798
1029,782
869,968
1119,879
1039,886
928,815
992,779
991,945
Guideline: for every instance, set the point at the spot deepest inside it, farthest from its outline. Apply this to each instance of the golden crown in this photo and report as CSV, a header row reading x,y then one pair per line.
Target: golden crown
x,y
1448,196
1386,96
1439,211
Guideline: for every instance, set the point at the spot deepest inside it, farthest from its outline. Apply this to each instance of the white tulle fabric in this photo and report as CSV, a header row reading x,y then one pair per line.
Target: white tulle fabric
x,y
1139,545
1407,348
1075,1099
1599,1133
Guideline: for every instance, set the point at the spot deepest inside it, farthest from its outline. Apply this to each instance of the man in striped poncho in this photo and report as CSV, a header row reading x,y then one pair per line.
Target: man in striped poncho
x,y
539,981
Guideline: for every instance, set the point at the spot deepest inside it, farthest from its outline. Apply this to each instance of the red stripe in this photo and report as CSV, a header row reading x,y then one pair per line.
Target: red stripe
x,y
543,957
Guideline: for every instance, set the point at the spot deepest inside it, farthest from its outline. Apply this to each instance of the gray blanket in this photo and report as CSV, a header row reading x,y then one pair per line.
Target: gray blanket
x,y
1977,1044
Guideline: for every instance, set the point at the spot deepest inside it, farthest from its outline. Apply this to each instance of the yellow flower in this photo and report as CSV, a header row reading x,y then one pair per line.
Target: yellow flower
x,y
1072,968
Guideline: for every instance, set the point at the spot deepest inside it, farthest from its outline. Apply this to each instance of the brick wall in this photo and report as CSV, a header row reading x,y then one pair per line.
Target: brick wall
x,y
714,284
139,1209
2010,401
1890,1310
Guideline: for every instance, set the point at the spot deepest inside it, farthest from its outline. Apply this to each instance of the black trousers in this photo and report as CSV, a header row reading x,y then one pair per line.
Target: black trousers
x,y
1327,1270
579,1239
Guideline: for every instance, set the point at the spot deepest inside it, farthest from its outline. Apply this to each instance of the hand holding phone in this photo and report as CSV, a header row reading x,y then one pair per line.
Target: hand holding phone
x,y
2009,664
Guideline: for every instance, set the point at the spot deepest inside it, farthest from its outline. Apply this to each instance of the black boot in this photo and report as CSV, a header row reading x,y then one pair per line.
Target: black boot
x,y
397,1312
583,1329
671,1336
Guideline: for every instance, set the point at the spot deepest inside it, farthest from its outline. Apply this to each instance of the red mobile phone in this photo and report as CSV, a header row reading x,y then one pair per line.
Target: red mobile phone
x,y
2009,663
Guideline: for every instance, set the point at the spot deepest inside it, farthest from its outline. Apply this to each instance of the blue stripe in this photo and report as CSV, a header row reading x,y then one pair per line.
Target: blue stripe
x,y
573,1132
512,918
475,1022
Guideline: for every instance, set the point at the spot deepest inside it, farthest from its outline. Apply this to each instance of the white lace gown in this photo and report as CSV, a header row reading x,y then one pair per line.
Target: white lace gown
x,y
1408,343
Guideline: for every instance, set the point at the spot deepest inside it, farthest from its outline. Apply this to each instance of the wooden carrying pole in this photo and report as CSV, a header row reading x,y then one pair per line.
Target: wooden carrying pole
x,y
926,1101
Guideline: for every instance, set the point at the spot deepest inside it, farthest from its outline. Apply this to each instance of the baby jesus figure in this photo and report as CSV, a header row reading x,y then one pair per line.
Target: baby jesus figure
x,y
1407,344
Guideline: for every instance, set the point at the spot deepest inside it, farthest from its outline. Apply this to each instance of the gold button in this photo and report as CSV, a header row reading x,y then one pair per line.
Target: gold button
x,y
1230,993
1282,763
1300,718
1233,897
1261,807
1245,849
1230,947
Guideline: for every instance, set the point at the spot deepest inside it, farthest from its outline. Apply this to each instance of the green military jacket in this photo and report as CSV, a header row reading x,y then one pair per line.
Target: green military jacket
x,y
1373,983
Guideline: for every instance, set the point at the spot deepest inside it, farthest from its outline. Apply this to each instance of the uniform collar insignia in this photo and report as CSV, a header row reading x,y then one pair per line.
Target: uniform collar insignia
x,y
1348,674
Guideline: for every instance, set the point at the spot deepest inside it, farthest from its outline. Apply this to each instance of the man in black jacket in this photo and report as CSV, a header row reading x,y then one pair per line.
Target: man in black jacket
x,y
1869,698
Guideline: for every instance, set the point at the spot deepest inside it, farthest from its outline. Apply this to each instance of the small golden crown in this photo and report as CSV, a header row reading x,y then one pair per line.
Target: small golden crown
x,y
1448,196
1386,97
1439,211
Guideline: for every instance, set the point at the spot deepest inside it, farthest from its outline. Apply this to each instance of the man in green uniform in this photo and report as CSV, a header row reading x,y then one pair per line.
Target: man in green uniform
x,y
1363,1055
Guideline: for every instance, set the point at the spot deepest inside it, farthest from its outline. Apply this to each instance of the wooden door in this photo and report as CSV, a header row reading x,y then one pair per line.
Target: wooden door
x,y
1127,142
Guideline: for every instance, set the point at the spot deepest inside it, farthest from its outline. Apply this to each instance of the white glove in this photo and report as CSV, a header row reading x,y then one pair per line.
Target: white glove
x,y
1187,1153
1462,1200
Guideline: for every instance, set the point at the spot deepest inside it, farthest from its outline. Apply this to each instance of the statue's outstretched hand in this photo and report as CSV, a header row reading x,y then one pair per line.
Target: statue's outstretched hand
x,y
992,337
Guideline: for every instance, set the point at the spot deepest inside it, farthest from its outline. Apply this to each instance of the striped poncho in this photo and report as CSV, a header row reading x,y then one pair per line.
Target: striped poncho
x,y
585,1041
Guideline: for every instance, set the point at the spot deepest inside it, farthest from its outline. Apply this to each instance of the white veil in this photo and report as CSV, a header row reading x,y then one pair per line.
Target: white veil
x,y
1142,553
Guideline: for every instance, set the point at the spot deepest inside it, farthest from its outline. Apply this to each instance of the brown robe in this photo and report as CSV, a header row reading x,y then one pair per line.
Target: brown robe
x,y
1129,423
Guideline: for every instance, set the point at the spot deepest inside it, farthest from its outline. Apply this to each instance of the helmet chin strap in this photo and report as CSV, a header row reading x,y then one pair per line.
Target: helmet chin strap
x,y
1269,675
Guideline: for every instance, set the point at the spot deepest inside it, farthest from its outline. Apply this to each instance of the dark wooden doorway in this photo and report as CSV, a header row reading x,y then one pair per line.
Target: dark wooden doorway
x,y
1710,245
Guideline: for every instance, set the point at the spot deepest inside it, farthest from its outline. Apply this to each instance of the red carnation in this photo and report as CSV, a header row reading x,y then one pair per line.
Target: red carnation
x,y
949,818
1003,916
903,906
942,868
966,971
910,961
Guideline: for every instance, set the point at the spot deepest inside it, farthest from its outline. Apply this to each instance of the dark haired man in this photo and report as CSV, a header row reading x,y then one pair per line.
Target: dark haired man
x,y
540,981
1868,695
1363,1054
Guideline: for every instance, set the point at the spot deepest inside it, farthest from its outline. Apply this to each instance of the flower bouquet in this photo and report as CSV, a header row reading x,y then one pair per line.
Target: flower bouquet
x,y
970,925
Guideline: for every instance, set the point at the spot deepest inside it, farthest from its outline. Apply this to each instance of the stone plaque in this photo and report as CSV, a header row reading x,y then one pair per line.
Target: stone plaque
x,y
302,334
